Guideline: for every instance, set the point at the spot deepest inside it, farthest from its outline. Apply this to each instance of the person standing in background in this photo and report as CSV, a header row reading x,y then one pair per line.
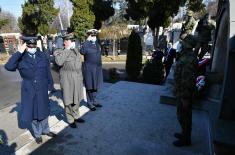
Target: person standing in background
x,y
169,59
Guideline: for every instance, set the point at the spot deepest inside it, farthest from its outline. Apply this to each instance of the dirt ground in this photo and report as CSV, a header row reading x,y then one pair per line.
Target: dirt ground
x,y
3,58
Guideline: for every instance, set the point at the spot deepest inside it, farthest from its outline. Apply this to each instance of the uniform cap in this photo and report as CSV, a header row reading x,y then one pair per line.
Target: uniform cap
x,y
92,32
68,36
30,40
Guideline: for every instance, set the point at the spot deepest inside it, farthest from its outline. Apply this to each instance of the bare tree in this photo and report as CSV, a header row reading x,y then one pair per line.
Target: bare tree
x,y
212,7
62,21
11,25
114,33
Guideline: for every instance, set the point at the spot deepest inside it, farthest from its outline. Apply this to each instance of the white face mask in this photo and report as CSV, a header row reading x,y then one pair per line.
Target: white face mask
x,y
92,39
73,45
179,47
169,46
32,50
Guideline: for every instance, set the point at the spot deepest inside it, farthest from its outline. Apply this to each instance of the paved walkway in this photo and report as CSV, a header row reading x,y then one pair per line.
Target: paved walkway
x,y
132,122
14,132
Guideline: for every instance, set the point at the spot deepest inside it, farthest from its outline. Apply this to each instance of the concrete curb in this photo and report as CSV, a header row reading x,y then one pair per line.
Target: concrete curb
x,y
55,126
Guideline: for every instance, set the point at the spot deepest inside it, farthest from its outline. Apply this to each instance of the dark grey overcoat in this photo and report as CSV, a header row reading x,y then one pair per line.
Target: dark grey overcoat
x,y
71,79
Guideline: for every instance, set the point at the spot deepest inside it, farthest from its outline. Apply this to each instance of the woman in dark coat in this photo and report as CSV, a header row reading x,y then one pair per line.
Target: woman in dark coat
x,y
34,68
92,68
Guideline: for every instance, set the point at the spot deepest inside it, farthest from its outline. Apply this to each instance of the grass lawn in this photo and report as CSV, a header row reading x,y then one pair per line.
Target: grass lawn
x,y
3,58
120,58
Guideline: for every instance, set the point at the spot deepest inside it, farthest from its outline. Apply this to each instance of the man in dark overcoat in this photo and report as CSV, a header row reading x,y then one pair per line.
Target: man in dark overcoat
x,y
92,68
34,68
169,59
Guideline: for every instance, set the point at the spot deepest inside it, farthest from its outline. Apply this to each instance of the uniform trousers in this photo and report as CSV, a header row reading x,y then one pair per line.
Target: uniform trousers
x,y
184,115
72,112
91,96
40,127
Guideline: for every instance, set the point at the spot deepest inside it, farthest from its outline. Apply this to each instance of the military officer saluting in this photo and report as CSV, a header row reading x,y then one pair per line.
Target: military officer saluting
x,y
71,79
34,68
92,68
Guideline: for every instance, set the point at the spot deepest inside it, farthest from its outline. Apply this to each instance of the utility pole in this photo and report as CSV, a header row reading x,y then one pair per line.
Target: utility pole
x,y
67,8
61,24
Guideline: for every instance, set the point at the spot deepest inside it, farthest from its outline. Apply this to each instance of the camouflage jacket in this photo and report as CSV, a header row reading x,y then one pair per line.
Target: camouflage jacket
x,y
185,74
187,27
205,31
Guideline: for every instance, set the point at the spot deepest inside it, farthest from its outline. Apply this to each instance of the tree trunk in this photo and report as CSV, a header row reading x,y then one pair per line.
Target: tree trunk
x,y
114,48
155,38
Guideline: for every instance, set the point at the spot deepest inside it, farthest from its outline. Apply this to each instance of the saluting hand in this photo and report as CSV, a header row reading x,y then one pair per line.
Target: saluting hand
x,y
22,47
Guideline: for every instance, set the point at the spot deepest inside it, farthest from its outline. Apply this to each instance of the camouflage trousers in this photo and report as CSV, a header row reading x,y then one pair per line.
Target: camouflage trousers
x,y
184,115
204,48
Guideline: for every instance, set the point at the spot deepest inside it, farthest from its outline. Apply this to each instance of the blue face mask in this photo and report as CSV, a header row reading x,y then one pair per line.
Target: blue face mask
x,y
32,50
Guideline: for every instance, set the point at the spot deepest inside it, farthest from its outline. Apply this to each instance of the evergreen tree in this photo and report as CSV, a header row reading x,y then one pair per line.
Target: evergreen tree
x,y
196,5
134,56
83,17
3,22
36,16
158,12
102,10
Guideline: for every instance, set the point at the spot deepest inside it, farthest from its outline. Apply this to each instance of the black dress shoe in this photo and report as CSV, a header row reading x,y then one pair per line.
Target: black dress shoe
x,y
80,120
182,142
178,135
38,140
92,108
73,125
97,105
50,134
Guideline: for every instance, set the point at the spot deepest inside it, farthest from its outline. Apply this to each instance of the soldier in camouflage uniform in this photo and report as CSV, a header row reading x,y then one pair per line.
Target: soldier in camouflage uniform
x,y
187,27
185,78
204,29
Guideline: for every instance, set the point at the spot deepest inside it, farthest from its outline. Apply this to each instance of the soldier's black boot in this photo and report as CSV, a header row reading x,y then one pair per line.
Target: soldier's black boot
x,y
91,107
178,135
182,142
73,125
185,140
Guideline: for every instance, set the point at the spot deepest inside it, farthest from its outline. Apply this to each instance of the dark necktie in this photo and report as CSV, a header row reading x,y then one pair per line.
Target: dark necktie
x,y
32,55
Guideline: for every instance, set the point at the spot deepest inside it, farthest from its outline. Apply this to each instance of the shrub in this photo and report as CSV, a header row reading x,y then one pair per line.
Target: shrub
x,y
153,72
113,75
134,56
